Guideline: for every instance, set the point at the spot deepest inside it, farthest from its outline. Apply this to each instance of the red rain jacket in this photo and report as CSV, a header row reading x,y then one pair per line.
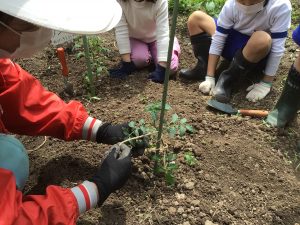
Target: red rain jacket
x,y
27,108
57,207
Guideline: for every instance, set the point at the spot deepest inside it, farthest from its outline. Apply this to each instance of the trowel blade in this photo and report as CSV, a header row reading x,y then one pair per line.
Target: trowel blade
x,y
226,108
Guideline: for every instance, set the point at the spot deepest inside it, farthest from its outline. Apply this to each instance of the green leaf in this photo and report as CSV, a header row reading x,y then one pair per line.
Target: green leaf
x,y
172,166
79,55
170,180
174,118
183,120
126,133
210,6
153,116
182,131
143,129
190,128
172,132
156,157
142,122
131,124
171,157
136,133
159,169
167,107
190,159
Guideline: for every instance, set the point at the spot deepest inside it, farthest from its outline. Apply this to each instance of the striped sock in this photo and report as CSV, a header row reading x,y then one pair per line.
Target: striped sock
x,y
87,195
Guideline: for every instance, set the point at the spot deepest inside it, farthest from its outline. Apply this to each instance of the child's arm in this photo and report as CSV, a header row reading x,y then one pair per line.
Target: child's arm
x,y
122,37
162,31
224,24
281,18
279,31
212,64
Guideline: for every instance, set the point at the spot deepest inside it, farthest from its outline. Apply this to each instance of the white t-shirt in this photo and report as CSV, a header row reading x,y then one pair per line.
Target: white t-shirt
x,y
145,21
275,19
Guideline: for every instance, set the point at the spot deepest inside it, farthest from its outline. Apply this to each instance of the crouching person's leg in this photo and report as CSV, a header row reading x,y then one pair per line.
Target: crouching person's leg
x,y
13,156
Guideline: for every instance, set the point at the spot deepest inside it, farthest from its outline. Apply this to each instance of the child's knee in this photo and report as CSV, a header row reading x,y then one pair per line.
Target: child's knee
x,y
197,16
260,41
13,157
141,62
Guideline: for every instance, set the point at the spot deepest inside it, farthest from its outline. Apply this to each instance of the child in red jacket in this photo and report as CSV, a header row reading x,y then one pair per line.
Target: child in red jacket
x,y
27,108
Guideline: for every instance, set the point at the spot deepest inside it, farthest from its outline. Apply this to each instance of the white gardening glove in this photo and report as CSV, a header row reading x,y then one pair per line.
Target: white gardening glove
x,y
258,91
207,86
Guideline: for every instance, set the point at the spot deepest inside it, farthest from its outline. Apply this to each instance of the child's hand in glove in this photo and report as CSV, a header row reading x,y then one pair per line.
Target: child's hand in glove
x,y
258,91
207,86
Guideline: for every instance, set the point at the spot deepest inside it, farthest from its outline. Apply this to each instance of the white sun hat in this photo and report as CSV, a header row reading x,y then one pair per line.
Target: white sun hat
x,y
71,16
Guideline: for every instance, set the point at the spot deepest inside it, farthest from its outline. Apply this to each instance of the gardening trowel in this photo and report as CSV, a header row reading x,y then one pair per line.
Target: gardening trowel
x,y
65,71
226,108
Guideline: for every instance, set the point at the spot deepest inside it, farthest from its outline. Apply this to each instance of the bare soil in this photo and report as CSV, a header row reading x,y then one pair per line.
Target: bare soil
x,y
245,172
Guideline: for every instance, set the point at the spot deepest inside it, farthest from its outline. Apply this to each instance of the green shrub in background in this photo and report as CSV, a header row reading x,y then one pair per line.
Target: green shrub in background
x,y
212,7
185,6
295,15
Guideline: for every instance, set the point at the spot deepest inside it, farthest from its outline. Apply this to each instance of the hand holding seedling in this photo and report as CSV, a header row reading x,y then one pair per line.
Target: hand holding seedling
x,y
113,172
111,134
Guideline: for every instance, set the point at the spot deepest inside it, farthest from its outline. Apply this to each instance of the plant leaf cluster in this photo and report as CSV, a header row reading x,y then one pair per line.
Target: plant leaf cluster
x,y
165,160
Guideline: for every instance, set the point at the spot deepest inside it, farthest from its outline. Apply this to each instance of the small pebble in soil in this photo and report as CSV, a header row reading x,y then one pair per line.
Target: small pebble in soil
x,y
202,214
208,222
180,210
172,210
186,223
190,185
272,172
180,196
195,202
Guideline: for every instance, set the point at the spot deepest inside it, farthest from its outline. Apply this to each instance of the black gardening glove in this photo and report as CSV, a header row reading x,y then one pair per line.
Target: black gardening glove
x,y
113,172
123,71
140,145
111,134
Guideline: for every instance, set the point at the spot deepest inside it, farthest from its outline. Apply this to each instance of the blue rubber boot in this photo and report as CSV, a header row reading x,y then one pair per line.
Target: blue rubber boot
x,y
14,157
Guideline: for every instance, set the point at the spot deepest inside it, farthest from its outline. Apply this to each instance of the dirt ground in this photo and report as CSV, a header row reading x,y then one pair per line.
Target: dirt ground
x,y
245,172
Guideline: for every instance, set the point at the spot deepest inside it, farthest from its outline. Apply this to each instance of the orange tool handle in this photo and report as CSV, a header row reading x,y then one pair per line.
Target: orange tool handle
x,y
253,112
62,59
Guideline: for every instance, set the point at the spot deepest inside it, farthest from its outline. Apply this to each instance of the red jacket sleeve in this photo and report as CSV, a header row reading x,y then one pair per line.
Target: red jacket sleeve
x,y
58,206
27,108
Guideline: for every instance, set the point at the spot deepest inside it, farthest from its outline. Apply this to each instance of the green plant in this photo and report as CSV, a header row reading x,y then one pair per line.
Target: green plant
x,y
166,165
164,158
295,14
212,7
190,159
97,53
185,6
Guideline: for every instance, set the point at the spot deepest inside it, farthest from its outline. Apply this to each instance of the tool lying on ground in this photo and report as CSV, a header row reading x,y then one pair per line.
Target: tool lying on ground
x,y
65,71
227,108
